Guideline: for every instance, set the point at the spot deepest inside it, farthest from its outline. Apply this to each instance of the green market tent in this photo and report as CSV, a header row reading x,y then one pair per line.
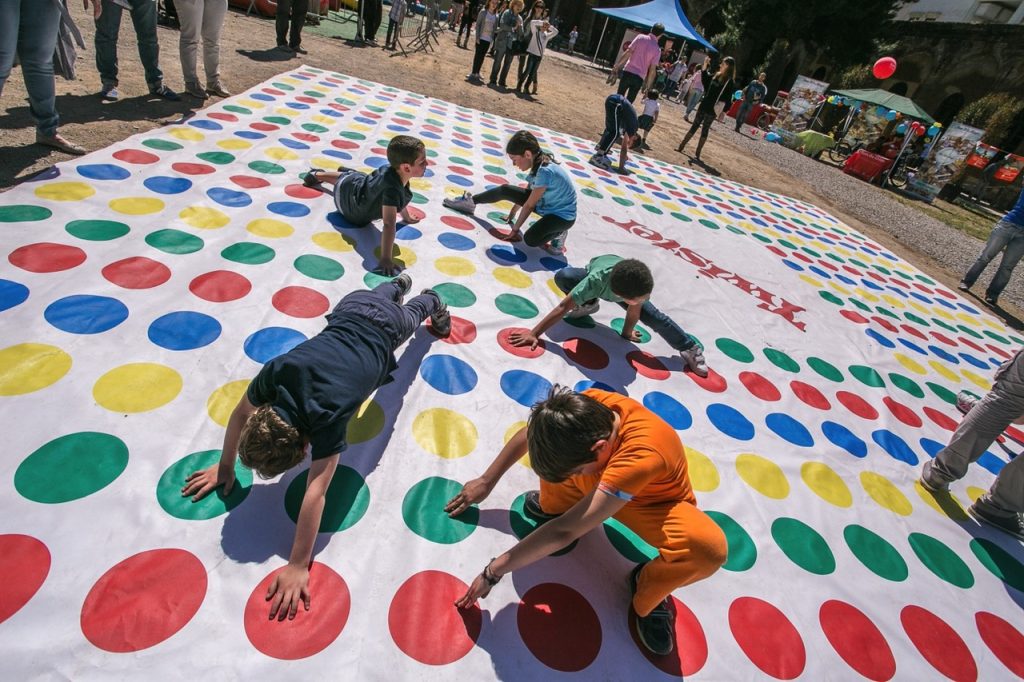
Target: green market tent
x,y
882,98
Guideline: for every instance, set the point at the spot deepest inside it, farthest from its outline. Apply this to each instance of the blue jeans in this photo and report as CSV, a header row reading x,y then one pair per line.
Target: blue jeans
x,y
659,322
381,307
28,28
741,115
109,25
1005,235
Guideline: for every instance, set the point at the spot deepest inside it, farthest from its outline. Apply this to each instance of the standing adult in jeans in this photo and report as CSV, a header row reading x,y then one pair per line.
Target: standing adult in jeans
x,y
540,33
108,25
639,63
290,18
1007,236
509,25
201,19
28,29
752,94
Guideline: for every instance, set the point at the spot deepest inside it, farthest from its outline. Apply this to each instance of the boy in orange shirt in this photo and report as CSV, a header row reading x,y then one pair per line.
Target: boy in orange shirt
x,y
602,455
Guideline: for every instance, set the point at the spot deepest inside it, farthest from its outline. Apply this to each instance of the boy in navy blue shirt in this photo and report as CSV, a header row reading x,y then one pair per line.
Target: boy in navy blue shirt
x,y
620,124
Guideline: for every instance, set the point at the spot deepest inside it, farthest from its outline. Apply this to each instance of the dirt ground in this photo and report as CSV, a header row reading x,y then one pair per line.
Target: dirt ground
x,y
570,99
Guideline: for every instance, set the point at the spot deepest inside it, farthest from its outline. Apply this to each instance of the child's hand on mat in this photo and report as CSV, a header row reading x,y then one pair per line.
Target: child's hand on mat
x,y
474,491
513,236
523,339
387,267
478,590
289,587
633,336
201,483
410,219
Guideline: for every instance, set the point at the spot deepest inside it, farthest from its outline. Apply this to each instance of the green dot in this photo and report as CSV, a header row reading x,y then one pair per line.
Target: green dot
x,y
682,216
278,120
347,499
906,384
234,108
781,360
653,209
861,304
418,198
888,313
617,323
431,154
168,488
455,295
174,241
736,230
523,524
916,318
711,225
592,193
248,253
373,279
585,322
622,201
319,267
492,138
836,258
285,87
810,252
830,297
788,244
742,551
944,325
970,332
516,306
941,560
497,216
345,101
880,557
352,135
266,167
423,511
825,369
734,349
23,213
164,145
495,170
97,230
996,559
71,467
219,158
627,543
366,424
458,160
942,392
1001,339
314,128
319,95
867,376
804,546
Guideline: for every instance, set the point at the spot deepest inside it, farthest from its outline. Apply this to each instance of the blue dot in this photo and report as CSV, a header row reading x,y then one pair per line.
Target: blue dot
x,y
791,265
991,463
331,112
184,330
336,219
877,336
820,272
205,124
376,161
162,184
338,154
293,144
526,388
290,209
229,197
448,374
408,233
12,294
789,429
456,242
553,264
844,438
86,314
300,106
398,128
913,346
729,421
506,253
931,447
669,409
103,171
948,357
970,359
463,144
459,180
250,134
589,383
263,97
431,135
894,446
368,121
266,344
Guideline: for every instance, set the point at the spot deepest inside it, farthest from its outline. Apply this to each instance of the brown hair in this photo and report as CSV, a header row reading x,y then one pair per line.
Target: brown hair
x,y
268,445
404,149
562,431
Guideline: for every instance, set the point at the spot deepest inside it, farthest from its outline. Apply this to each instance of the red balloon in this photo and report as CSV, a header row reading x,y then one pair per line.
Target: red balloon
x,y
884,68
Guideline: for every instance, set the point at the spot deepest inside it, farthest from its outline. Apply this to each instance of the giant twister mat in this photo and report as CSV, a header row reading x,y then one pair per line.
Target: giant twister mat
x,y
144,285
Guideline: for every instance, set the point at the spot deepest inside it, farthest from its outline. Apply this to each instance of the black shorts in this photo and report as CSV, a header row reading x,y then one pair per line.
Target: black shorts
x,y
645,122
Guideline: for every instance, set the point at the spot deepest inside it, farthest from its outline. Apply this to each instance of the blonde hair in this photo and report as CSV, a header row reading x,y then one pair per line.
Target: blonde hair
x,y
517,6
268,445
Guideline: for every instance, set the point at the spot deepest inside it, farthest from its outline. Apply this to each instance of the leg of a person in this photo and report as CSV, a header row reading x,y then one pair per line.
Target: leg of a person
x,y
213,21
623,84
611,127
299,8
499,57
10,13
690,547
417,309
997,240
284,11
690,133
37,39
390,33
144,20
694,99
568,277
635,83
517,195
108,25
532,62
1007,492
664,326
478,55
545,229
1011,256
741,115
506,65
190,17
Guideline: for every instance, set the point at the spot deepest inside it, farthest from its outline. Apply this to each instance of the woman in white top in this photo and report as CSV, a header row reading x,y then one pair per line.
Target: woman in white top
x,y
696,88
541,33
486,23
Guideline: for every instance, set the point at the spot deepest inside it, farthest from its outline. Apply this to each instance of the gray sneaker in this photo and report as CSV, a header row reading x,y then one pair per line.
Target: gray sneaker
x,y
462,204
1008,524
440,319
694,360
588,308
965,400
404,282
196,90
931,486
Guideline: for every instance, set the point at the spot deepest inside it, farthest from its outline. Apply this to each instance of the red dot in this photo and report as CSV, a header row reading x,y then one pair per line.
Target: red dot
x,y
302,192
344,144
415,212
857,640
249,182
137,272
998,351
559,627
970,344
424,622
220,286
463,331
854,316
759,387
460,170
310,632
857,405
265,127
944,339
524,352
192,168
902,412
24,565
432,128
585,353
809,395
496,179
457,222
1015,433
713,382
143,600
300,302
940,418
885,323
647,365
1005,641
767,638
46,257
939,643
691,650
135,156
273,91
913,331
306,137
221,116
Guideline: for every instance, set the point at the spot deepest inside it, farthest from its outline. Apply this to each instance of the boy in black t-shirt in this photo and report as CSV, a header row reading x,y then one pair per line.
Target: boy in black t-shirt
x,y
305,398
381,195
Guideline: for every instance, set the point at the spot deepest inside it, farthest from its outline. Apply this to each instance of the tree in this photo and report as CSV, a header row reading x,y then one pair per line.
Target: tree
x,y
996,114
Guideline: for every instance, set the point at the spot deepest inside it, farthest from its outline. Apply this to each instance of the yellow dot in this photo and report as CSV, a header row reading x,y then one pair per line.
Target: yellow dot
x,y
222,402
967,319
918,307
554,287
281,154
361,127
444,432
323,162
703,472
402,255
941,312
137,387
944,371
270,228
28,367
910,364
513,430
422,184
513,277
893,301
943,503
974,492
838,288
324,120
187,134
990,323
332,241
284,111
251,103
366,423
882,491
234,144
136,205
865,295
812,281
826,483
204,218
981,382
763,475
454,266
65,191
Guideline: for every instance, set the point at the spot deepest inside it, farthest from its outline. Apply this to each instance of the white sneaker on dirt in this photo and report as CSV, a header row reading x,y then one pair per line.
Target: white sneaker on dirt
x,y
588,308
462,204
693,358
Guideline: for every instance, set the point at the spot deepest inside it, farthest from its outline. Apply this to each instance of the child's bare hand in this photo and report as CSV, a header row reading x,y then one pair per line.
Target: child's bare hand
x,y
288,588
201,483
387,267
512,236
478,590
633,336
522,340
410,219
473,492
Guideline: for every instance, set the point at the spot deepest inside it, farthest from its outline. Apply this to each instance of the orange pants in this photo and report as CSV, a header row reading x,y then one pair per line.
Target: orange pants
x,y
690,545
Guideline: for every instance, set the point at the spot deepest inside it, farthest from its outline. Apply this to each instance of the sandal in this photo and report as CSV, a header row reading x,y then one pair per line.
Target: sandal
x,y
310,179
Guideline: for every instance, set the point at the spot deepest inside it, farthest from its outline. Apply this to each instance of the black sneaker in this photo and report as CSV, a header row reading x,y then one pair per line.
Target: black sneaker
x,y
1008,524
298,49
656,630
991,301
963,286
310,180
440,319
404,282
531,505
164,92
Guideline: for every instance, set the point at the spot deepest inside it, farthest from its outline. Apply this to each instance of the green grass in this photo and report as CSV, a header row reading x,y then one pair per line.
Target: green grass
x,y
973,222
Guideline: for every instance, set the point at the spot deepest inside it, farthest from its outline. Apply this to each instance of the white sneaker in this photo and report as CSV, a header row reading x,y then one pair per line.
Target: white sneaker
x,y
556,246
588,308
462,204
965,400
694,361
